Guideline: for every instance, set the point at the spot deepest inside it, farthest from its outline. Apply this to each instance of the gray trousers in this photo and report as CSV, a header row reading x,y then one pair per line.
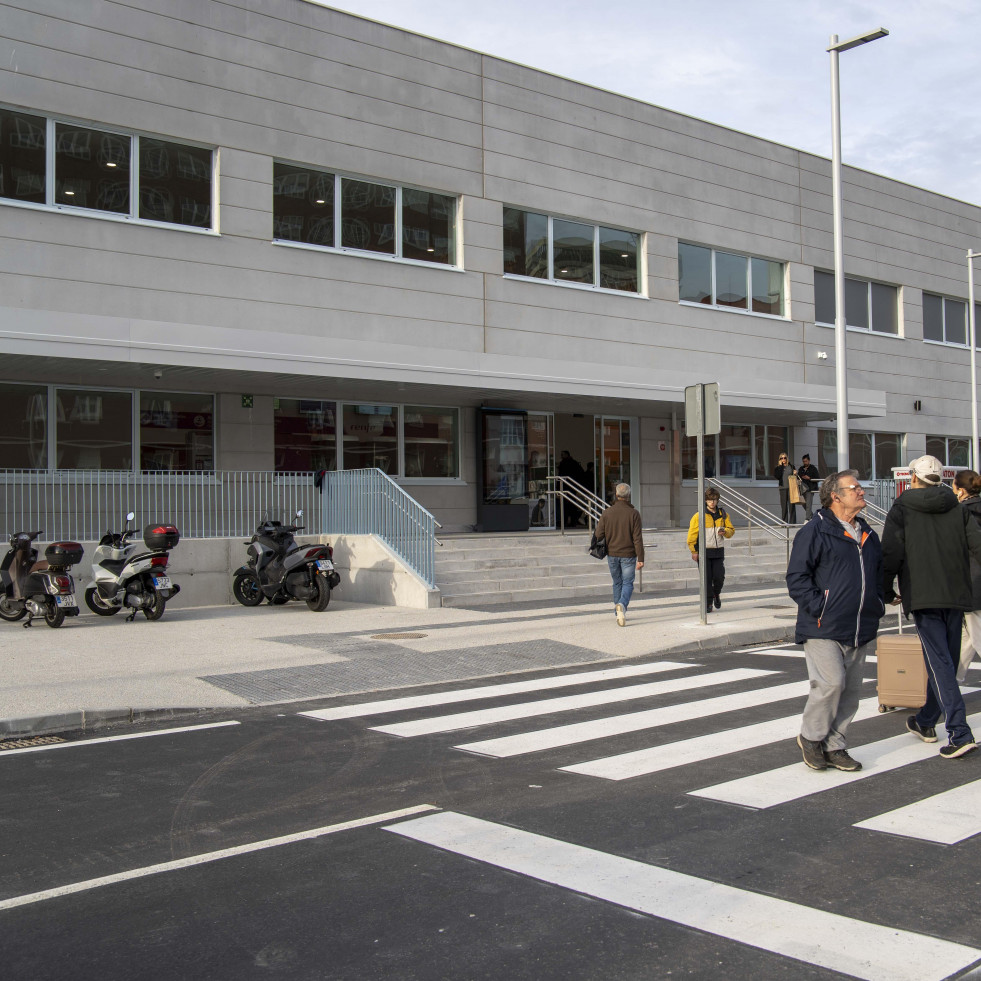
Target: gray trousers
x,y
836,672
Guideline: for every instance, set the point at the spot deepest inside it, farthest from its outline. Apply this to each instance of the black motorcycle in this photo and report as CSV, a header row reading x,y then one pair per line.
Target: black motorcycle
x,y
280,570
31,588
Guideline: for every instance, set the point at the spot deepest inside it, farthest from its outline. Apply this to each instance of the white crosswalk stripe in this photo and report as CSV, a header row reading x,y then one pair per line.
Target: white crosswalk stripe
x,y
525,710
617,725
849,946
407,702
946,818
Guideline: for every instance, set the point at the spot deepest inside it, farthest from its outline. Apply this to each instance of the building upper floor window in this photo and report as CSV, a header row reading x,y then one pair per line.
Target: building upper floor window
x,y
731,281
68,165
945,320
563,251
868,306
320,208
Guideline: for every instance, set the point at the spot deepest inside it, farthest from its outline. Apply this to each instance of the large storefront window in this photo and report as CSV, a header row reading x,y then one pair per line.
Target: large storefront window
x,y
371,437
305,432
431,440
738,452
176,431
94,430
873,455
24,427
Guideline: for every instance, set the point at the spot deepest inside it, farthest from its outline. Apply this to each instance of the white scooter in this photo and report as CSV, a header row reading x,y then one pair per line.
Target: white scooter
x,y
124,574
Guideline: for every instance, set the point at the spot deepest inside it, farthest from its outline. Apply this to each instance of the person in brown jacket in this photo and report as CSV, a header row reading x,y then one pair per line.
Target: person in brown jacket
x,y
620,526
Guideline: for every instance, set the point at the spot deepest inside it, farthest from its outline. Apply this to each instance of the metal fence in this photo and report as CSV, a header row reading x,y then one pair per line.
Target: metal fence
x,y
82,504
881,493
369,502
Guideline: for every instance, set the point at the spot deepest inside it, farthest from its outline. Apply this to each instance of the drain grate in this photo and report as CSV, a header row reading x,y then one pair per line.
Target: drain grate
x,y
398,636
27,743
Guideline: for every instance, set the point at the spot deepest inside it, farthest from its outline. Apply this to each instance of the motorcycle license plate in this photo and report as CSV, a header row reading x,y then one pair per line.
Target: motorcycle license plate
x,y
325,565
66,601
161,582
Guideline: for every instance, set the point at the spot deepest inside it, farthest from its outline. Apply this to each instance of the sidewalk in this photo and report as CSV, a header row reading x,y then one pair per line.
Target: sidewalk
x,y
95,671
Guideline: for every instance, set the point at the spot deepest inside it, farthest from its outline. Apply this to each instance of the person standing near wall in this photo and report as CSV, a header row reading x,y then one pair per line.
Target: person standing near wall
x,y
620,525
718,528
808,476
926,543
783,472
967,487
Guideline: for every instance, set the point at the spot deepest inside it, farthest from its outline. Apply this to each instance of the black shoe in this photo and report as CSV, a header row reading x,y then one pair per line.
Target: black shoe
x,y
950,751
813,754
927,733
718,602
840,760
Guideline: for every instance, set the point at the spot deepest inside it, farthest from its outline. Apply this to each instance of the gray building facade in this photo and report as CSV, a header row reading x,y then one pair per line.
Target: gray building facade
x,y
265,235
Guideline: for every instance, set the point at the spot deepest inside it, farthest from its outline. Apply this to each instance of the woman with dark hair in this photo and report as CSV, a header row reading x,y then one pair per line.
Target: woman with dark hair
x,y
783,473
967,487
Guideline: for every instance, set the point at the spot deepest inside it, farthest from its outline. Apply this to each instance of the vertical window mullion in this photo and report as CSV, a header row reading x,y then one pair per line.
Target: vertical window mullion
x,y
596,256
714,302
134,439
400,439
398,224
337,221
868,307
134,176
52,426
339,430
551,252
749,284
49,163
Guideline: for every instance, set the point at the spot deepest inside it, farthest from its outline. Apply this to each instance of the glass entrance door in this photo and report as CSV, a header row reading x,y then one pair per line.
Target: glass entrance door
x,y
541,465
612,454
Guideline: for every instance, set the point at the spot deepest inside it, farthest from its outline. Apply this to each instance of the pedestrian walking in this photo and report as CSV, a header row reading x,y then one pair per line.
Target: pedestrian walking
x,y
783,473
967,487
620,526
835,578
718,528
927,542
807,474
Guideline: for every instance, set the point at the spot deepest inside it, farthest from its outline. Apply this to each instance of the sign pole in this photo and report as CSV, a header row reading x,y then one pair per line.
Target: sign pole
x,y
702,418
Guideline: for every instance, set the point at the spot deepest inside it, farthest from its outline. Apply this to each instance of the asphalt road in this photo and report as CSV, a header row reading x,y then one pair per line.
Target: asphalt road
x,y
654,822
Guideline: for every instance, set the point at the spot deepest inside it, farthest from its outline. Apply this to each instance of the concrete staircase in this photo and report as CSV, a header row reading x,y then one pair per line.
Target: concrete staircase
x,y
480,570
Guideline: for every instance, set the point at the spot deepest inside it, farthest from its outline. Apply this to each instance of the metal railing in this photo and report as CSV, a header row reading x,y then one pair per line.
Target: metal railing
x,y
754,513
566,491
82,504
369,502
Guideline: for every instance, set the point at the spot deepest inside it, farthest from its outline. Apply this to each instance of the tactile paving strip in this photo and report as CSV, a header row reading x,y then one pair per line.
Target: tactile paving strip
x,y
373,666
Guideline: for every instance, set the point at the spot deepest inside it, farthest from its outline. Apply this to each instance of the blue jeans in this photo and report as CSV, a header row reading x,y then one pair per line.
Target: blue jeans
x,y
622,570
940,634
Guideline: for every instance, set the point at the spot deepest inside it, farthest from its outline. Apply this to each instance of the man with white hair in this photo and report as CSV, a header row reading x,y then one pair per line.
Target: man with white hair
x,y
927,540
620,526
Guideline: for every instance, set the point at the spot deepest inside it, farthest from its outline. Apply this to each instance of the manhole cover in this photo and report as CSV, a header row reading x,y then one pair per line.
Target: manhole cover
x,y
27,743
398,636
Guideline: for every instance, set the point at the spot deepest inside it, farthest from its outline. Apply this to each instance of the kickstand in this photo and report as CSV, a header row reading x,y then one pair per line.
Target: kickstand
x,y
132,616
29,620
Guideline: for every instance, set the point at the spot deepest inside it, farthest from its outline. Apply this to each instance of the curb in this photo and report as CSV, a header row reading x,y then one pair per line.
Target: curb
x,y
85,720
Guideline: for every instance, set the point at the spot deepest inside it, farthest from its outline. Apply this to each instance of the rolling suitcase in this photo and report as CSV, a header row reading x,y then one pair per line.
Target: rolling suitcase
x,y
901,673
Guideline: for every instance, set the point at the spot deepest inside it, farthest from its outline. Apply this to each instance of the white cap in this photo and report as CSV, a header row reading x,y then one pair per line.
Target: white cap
x,y
927,468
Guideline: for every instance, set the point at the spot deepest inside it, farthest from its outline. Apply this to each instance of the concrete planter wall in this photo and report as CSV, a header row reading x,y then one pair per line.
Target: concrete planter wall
x,y
370,572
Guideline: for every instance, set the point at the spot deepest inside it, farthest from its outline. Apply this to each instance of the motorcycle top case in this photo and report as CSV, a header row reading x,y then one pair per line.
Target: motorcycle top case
x,y
63,554
161,537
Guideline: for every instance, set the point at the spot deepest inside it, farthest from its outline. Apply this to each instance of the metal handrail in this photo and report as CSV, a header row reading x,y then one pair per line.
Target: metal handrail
x,y
369,502
754,513
565,489
873,514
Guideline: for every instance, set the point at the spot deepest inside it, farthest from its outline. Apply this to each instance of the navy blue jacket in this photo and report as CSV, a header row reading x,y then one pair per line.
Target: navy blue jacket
x,y
836,582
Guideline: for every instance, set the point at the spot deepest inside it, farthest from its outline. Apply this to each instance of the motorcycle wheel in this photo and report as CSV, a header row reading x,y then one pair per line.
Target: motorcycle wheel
x,y
319,602
246,589
98,605
156,610
54,616
10,612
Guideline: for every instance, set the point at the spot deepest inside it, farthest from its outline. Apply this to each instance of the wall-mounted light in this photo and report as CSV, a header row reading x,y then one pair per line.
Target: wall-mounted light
x,y
917,405
822,355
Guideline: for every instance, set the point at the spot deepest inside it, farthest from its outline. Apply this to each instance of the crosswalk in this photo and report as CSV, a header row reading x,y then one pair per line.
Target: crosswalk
x,y
569,717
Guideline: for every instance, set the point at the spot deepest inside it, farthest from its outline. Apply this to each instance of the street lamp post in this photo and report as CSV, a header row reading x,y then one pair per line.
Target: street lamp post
x,y
971,256
841,355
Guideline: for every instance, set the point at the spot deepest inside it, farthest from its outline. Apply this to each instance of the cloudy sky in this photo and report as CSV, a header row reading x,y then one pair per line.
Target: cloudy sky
x,y
911,102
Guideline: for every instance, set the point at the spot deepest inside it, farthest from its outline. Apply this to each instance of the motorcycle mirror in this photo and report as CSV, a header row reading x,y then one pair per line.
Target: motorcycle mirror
x,y
299,513
130,516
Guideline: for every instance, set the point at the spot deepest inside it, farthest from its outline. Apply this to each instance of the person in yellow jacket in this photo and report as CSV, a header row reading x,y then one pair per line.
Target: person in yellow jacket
x,y
718,528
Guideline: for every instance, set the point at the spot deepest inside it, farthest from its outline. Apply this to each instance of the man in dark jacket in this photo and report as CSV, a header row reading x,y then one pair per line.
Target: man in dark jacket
x,y
808,476
927,542
835,577
620,526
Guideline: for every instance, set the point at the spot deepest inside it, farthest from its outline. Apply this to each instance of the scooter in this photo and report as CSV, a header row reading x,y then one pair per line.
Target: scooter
x,y
280,570
125,575
31,588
